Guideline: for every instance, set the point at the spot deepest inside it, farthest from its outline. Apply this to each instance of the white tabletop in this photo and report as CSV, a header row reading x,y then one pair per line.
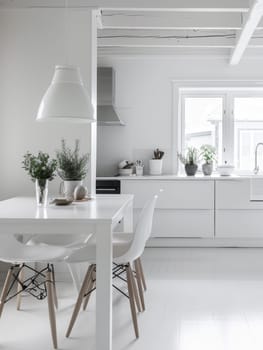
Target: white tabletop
x,y
22,215
103,208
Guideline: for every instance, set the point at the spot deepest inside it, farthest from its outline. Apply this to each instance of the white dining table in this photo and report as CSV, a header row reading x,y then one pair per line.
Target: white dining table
x,y
21,215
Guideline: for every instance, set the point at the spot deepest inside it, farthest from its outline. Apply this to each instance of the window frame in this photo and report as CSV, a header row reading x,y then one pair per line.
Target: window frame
x,y
228,91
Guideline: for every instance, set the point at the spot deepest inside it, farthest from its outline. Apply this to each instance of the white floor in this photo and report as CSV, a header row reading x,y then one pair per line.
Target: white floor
x,y
207,299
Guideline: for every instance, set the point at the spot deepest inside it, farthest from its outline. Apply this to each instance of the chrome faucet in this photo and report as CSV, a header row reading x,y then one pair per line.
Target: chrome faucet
x,y
256,169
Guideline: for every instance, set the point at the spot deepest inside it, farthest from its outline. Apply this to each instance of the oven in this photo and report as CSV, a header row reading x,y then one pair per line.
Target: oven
x,y
108,187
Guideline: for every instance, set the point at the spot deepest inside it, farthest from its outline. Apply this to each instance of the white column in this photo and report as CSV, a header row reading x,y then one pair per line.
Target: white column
x,y
93,91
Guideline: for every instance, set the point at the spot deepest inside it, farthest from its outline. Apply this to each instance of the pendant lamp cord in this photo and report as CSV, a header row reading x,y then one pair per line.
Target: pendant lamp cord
x,y
66,24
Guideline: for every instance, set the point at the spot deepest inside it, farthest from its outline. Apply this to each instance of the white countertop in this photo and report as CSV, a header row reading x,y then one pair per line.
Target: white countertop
x,y
183,177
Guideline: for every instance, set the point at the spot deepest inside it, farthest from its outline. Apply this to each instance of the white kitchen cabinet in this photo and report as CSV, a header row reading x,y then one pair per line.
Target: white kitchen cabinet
x,y
239,223
181,223
185,208
224,211
237,216
181,194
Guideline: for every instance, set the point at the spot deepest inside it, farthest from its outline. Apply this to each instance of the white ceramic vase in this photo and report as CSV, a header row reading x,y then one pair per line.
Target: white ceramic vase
x,y
155,166
67,187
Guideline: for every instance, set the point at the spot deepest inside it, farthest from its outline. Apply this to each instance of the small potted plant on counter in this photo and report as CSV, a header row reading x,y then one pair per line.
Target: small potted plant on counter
x,y
190,160
208,154
72,168
41,170
156,163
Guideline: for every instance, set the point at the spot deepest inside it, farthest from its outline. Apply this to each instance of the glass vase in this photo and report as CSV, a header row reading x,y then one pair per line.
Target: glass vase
x,y
41,192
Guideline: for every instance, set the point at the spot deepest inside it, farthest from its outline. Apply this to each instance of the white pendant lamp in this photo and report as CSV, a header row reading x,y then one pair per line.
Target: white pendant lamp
x,y
66,99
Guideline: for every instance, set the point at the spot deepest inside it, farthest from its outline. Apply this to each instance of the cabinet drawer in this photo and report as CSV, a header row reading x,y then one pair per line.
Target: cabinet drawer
x,y
239,224
235,194
188,194
182,223
232,194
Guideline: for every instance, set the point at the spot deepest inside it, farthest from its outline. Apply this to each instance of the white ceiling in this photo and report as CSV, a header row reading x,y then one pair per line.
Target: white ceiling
x,y
170,26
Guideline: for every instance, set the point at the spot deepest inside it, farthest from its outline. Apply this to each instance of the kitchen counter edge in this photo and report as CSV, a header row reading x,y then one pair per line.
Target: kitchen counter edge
x,y
182,177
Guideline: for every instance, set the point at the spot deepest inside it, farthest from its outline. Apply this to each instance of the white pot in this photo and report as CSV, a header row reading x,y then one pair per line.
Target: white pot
x,y
225,170
125,172
67,187
155,166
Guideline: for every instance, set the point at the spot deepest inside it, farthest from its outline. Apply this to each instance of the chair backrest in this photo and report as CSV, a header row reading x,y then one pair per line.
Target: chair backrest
x,y
9,246
142,231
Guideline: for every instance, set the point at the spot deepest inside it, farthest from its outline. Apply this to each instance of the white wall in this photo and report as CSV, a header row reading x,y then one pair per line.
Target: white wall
x,y
144,102
32,42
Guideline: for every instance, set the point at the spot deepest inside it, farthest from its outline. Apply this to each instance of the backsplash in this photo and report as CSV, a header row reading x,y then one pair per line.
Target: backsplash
x,y
107,161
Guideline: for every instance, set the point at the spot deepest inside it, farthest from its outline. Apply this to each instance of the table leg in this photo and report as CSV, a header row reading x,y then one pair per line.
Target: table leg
x,y
104,286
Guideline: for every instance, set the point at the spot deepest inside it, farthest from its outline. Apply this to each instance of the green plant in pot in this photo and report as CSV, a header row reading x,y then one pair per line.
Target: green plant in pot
x,y
72,167
41,170
208,154
190,160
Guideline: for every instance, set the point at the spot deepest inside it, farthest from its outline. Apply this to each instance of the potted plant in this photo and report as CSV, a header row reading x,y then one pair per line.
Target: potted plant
x,y
72,167
190,160
41,170
208,154
156,163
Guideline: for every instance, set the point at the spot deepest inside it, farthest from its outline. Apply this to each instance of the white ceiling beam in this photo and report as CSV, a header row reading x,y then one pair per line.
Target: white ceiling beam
x,y
165,32
178,5
204,26
143,5
192,38
168,20
177,52
154,42
173,38
165,42
252,20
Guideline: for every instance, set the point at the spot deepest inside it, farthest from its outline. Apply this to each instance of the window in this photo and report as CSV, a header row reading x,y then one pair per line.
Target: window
x,y
230,120
203,121
248,128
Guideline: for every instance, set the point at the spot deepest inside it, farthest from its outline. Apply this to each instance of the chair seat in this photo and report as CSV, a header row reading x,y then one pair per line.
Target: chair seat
x,y
38,253
121,244
72,241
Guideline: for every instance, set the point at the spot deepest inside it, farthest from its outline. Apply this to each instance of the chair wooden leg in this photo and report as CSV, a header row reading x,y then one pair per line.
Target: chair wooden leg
x,y
19,288
54,286
87,297
142,274
51,308
5,289
131,299
79,300
135,292
139,283
90,286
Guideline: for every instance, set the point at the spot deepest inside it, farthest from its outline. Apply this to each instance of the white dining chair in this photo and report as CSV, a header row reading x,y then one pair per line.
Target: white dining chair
x,y
40,283
68,241
125,252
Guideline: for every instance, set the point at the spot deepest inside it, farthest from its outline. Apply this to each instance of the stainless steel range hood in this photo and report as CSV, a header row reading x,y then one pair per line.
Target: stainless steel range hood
x,y
106,113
